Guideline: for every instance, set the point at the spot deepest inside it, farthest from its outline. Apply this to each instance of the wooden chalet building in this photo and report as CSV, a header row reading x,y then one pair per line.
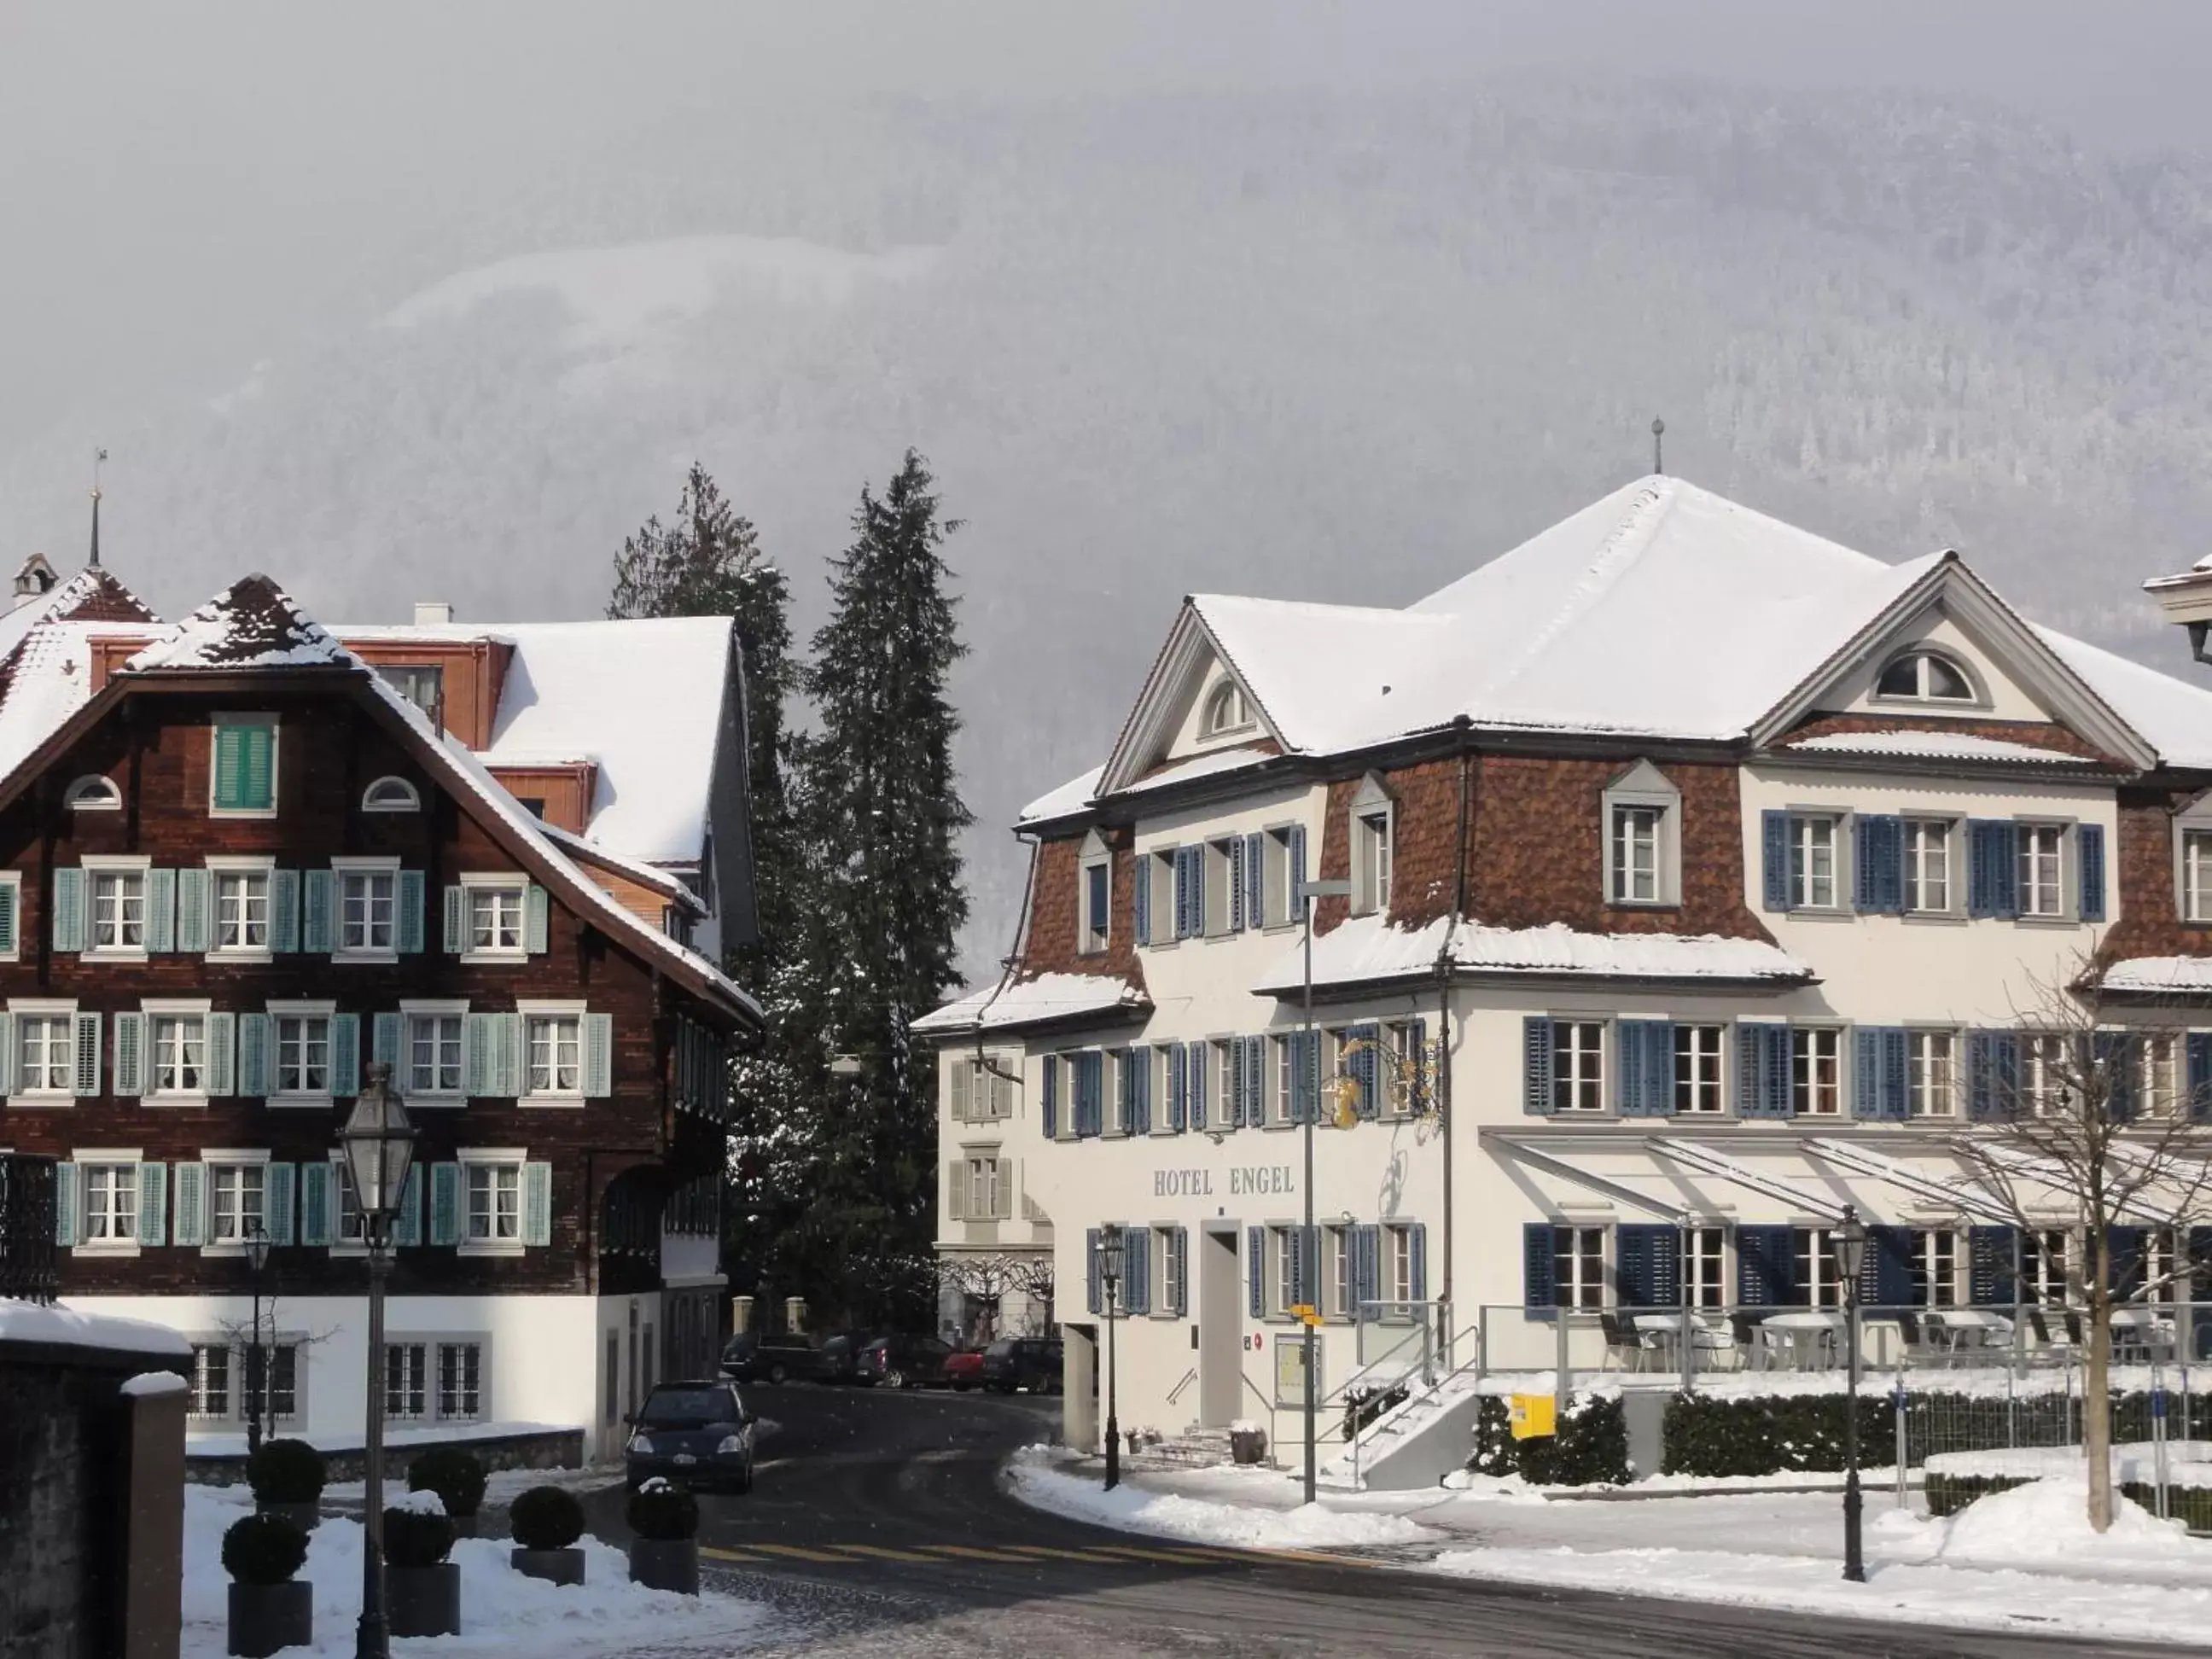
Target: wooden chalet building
x,y
241,861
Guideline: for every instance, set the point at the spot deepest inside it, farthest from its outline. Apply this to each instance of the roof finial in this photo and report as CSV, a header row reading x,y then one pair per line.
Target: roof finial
x,y
1658,431
98,456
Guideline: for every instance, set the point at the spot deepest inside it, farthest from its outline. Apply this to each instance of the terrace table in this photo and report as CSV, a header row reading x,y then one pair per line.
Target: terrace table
x,y
1808,1340
2142,1336
1963,1331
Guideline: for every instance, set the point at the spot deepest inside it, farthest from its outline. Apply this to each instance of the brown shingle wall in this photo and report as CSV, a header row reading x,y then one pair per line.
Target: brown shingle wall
x,y
2149,923
1050,947
2036,734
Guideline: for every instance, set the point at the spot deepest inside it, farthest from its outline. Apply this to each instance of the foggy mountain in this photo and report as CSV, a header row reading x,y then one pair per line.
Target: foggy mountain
x,y
1340,348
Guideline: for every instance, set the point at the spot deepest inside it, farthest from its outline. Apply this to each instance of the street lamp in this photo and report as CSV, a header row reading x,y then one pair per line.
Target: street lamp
x,y
379,1146
1308,891
1851,1240
256,1368
1110,1275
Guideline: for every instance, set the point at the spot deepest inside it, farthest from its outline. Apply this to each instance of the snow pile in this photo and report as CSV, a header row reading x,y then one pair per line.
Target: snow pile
x,y
2189,1463
152,1385
425,1502
2048,1520
1201,1520
502,1611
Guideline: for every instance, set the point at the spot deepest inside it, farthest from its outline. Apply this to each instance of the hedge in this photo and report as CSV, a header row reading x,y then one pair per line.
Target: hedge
x,y
1590,1449
1947,1494
1363,1405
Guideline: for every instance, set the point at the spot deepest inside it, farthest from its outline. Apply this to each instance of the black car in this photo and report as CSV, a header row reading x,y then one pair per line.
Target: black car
x,y
697,1435
839,1359
1022,1362
751,1357
904,1362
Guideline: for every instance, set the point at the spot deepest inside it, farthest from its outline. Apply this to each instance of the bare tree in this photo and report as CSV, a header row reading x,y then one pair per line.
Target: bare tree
x,y
2084,1124
1030,1276
987,1279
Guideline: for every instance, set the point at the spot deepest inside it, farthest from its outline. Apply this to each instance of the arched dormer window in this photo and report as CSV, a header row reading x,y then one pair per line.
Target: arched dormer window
x,y
1226,711
390,795
93,794
1924,676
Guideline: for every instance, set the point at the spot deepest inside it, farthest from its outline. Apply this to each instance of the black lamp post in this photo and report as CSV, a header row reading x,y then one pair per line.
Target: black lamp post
x,y
379,1146
1110,1275
257,1363
1851,1256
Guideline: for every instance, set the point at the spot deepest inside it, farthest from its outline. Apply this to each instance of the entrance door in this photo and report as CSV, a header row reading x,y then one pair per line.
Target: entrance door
x,y
1220,1330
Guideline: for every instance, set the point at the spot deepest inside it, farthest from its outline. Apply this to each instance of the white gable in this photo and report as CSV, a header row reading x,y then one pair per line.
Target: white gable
x,y
2001,691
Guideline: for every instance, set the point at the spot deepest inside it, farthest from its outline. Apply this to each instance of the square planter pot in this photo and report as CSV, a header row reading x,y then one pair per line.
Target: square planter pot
x,y
554,1566
423,1600
669,1564
304,1515
266,1619
1248,1446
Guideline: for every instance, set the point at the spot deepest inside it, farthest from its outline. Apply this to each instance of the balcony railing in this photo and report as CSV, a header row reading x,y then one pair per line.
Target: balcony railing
x,y
27,1228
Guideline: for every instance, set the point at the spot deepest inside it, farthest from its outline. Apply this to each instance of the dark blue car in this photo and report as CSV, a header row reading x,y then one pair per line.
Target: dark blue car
x,y
696,1435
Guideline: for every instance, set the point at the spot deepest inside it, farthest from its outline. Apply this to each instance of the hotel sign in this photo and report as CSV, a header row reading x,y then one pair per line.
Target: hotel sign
x,y
1237,1181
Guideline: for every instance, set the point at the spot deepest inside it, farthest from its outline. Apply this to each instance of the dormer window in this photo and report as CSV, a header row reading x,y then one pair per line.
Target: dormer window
x,y
94,794
1094,898
1226,711
390,795
1373,815
1642,826
1924,676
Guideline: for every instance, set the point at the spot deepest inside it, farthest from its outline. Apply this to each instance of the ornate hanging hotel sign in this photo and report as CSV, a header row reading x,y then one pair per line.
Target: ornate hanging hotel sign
x,y
1237,1181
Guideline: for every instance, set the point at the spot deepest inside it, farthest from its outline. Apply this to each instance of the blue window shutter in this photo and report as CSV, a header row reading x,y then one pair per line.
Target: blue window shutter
x,y
1298,871
536,919
1774,847
412,896
1631,1267
65,1205
254,1078
69,909
505,1031
476,1057
2124,1259
1048,1095
1644,1086
345,1054
1992,1074
1171,1108
1628,1067
1659,1070
1989,1258
1885,1280
1255,1270
1774,1072
2116,1055
1094,1271
1141,1073
1366,1070
1366,1262
1236,921
317,904
1256,1064
1666,1267
315,1204
1141,897
536,1205
1992,867
161,910
2199,1048
153,1204
1896,1072
1878,849
281,1181
1233,1107
1197,1072
1417,1250
1866,1070
444,1203
195,906
1179,1270
1536,1065
1766,1268
2089,851
284,911
1137,1269
1125,1089
1255,879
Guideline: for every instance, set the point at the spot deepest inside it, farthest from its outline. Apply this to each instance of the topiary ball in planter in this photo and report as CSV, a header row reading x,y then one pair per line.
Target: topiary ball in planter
x,y
269,1610
422,1589
664,1554
547,1521
286,1477
458,1478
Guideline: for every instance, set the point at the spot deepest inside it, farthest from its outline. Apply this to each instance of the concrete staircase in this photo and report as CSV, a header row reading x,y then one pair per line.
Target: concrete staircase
x,y
1194,1449
1415,1444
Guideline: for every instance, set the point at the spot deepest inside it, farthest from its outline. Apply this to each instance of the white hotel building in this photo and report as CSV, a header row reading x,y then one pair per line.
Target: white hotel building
x,y
1707,876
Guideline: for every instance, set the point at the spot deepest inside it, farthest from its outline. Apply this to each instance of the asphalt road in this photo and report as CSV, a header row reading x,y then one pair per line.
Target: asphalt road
x,y
879,1526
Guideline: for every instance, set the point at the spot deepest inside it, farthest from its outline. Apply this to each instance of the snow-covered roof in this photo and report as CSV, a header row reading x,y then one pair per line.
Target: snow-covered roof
x,y
1368,950
1931,745
252,625
2151,976
1037,1002
2174,716
49,680
636,870
1202,766
641,698
1070,797
33,1322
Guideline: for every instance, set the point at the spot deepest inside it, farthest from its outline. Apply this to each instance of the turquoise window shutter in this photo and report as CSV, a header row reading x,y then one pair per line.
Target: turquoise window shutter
x,y
161,910
129,1053
457,921
65,1204
315,1229
195,903
317,934
153,1204
86,1059
69,909
253,1043
475,1053
408,1229
444,1203
598,1055
7,1055
11,900
534,919
345,1053
384,1039
284,911
506,1055
283,1188
537,1204
188,1226
411,897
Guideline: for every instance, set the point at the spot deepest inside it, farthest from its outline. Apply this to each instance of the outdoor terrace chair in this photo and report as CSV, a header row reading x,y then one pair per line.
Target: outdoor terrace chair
x,y
1622,1346
1918,1349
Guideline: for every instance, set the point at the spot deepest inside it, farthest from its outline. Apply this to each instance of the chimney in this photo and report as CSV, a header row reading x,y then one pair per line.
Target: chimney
x,y
432,613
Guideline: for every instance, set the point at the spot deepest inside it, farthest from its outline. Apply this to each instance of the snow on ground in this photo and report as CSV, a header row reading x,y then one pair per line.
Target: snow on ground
x,y
1200,1520
2188,1463
502,1613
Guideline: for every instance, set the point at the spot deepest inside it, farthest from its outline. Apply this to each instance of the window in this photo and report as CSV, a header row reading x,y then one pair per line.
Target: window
x,y
2162,1073
211,1379
1338,1297
402,1381
1402,1064
1643,863
1927,865
1578,1267
423,684
46,1053
1936,1282
241,911
985,1199
1813,863
1167,1270
2044,1075
118,909
461,1379
1371,846
1222,861
533,805
1924,676
1222,1095
111,1204
235,1201
1282,1268
2041,894
2043,1265
1932,1073
494,1203
1578,1066
1815,1071
1226,711
390,795
94,794
1636,854
179,1056
1280,876
242,781
349,1228
1096,887
1820,1278
433,1053
557,1055
280,1385
1698,1069
1705,1283
1398,1266
495,924
303,1054
367,900
2197,875
1279,1077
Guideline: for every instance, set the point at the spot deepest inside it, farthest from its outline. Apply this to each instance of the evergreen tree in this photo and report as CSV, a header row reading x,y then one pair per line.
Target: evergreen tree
x,y
885,814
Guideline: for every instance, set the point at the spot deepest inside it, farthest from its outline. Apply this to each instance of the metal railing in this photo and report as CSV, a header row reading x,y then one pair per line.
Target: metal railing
x,y
28,1272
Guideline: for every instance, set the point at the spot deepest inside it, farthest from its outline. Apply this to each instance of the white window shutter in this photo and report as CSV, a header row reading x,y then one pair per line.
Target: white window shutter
x,y
1009,1174
962,1075
283,1211
408,934
956,1189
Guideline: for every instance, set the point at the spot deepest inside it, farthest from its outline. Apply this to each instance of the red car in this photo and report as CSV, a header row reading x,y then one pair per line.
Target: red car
x,y
963,1369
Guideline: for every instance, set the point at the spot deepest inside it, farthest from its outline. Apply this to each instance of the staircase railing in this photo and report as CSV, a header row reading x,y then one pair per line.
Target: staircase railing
x,y
1189,1377
1444,1373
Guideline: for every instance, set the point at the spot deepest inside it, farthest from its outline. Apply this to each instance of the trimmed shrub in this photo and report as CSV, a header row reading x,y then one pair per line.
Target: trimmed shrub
x,y
263,1549
457,1476
662,1512
1947,1494
546,1518
1735,1436
1590,1449
415,1538
285,1472
1363,1405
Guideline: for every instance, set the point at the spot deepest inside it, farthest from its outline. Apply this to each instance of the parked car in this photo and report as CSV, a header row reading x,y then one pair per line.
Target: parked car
x,y
1022,1362
839,1358
751,1356
696,1434
963,1369
904,1362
